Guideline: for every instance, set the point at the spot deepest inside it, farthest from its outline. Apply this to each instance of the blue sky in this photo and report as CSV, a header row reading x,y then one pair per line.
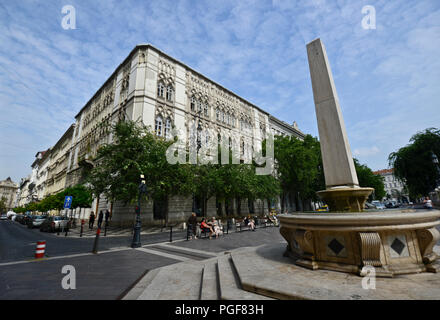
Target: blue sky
x,y
387,78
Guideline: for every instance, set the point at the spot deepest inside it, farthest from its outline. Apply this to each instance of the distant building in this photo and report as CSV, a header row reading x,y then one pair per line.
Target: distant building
x,y
8,190
394,188
31,187
57,168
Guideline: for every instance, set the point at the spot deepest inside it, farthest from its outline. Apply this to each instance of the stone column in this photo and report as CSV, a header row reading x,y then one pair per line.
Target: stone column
x,y
342,187
338,163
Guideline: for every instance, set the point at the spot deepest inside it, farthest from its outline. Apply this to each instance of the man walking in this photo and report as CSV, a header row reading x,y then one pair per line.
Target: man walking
x,y
91,220
192,225
100,218
107,215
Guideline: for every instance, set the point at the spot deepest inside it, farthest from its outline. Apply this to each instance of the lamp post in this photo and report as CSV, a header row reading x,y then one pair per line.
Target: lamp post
x,y
136,243
199,145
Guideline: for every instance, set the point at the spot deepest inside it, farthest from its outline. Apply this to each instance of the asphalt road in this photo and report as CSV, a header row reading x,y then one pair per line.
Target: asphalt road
x,y
18,242
104,276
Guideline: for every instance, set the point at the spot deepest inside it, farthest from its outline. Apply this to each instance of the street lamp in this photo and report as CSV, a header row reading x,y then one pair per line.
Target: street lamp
x,y
136,243
437,165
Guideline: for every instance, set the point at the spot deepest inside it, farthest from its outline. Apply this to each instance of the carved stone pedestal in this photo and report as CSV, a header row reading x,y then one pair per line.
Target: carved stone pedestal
x,y
346,198
393,242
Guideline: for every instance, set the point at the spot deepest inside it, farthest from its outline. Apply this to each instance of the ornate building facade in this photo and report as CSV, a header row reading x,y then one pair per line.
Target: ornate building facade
x,y
57,170
165,94
8,192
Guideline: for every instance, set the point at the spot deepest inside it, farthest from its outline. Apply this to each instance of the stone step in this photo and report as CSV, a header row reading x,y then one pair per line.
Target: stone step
x,y
209,287
229,282
180,281
184,252
141,286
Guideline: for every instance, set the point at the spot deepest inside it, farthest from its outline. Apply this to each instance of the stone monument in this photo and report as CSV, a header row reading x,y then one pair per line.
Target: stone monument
x,y
342,187
347,239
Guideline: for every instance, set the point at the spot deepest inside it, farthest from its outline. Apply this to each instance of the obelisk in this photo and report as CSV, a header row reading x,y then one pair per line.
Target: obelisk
x,y
339,170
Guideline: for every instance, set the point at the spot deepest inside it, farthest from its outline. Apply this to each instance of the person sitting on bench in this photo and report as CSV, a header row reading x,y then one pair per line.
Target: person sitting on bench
x,y
216,227
206,227
249,222
270,219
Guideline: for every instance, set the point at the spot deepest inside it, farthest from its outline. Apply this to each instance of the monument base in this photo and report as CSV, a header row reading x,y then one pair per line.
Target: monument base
x,y
345,198
393,242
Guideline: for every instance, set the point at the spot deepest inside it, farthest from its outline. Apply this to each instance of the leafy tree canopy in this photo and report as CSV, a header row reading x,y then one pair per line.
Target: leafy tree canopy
x,y
367,178
415,164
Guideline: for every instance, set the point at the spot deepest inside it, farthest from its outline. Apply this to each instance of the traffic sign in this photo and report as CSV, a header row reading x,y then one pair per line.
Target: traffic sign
x,y
68,202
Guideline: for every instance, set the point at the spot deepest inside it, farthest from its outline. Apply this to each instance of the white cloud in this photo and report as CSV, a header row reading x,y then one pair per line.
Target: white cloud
x,y
387,79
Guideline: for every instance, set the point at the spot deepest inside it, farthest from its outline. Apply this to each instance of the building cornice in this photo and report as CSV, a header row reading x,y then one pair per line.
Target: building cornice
x,y
149,46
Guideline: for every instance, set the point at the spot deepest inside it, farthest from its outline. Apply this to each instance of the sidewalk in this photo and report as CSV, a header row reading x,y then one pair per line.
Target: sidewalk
x,y
113,231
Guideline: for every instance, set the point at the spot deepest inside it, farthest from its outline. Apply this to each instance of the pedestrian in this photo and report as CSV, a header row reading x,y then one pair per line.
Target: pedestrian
x,y
100,218
91,220
206,227
216,227
427,203
107,215
192,225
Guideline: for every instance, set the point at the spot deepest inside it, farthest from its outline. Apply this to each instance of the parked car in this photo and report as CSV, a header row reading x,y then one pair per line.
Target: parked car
x,y
19,218
54,223
378,205
369,205
392,204
3,217
35,221
24,219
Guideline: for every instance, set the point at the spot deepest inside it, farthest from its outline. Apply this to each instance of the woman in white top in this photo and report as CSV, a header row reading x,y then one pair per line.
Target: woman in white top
x,y
427,203
216,227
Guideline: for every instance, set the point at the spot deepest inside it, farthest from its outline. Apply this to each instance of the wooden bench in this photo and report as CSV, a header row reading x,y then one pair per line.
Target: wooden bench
x,y
240,226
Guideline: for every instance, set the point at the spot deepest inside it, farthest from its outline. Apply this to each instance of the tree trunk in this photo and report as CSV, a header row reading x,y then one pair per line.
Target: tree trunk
x,y
238,201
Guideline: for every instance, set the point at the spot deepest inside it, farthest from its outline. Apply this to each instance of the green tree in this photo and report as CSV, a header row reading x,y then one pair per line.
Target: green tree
x,y
135,151
415,163
367,178
3,201
299,168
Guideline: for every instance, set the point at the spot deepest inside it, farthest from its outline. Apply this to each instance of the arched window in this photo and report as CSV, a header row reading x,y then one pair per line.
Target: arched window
x,y
170,93
228,119
207,138
217,114
160,89
222,116
199,106
158,126
206,109
242,148
168,128
193,103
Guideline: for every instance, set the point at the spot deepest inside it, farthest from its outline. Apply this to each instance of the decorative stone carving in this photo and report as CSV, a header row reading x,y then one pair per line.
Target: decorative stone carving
x,y
427,239
370,244
392,242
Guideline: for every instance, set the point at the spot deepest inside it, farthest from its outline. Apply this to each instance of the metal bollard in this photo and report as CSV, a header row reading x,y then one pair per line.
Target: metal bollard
x,y
95,245
82,227
171,233
105,228
67,228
